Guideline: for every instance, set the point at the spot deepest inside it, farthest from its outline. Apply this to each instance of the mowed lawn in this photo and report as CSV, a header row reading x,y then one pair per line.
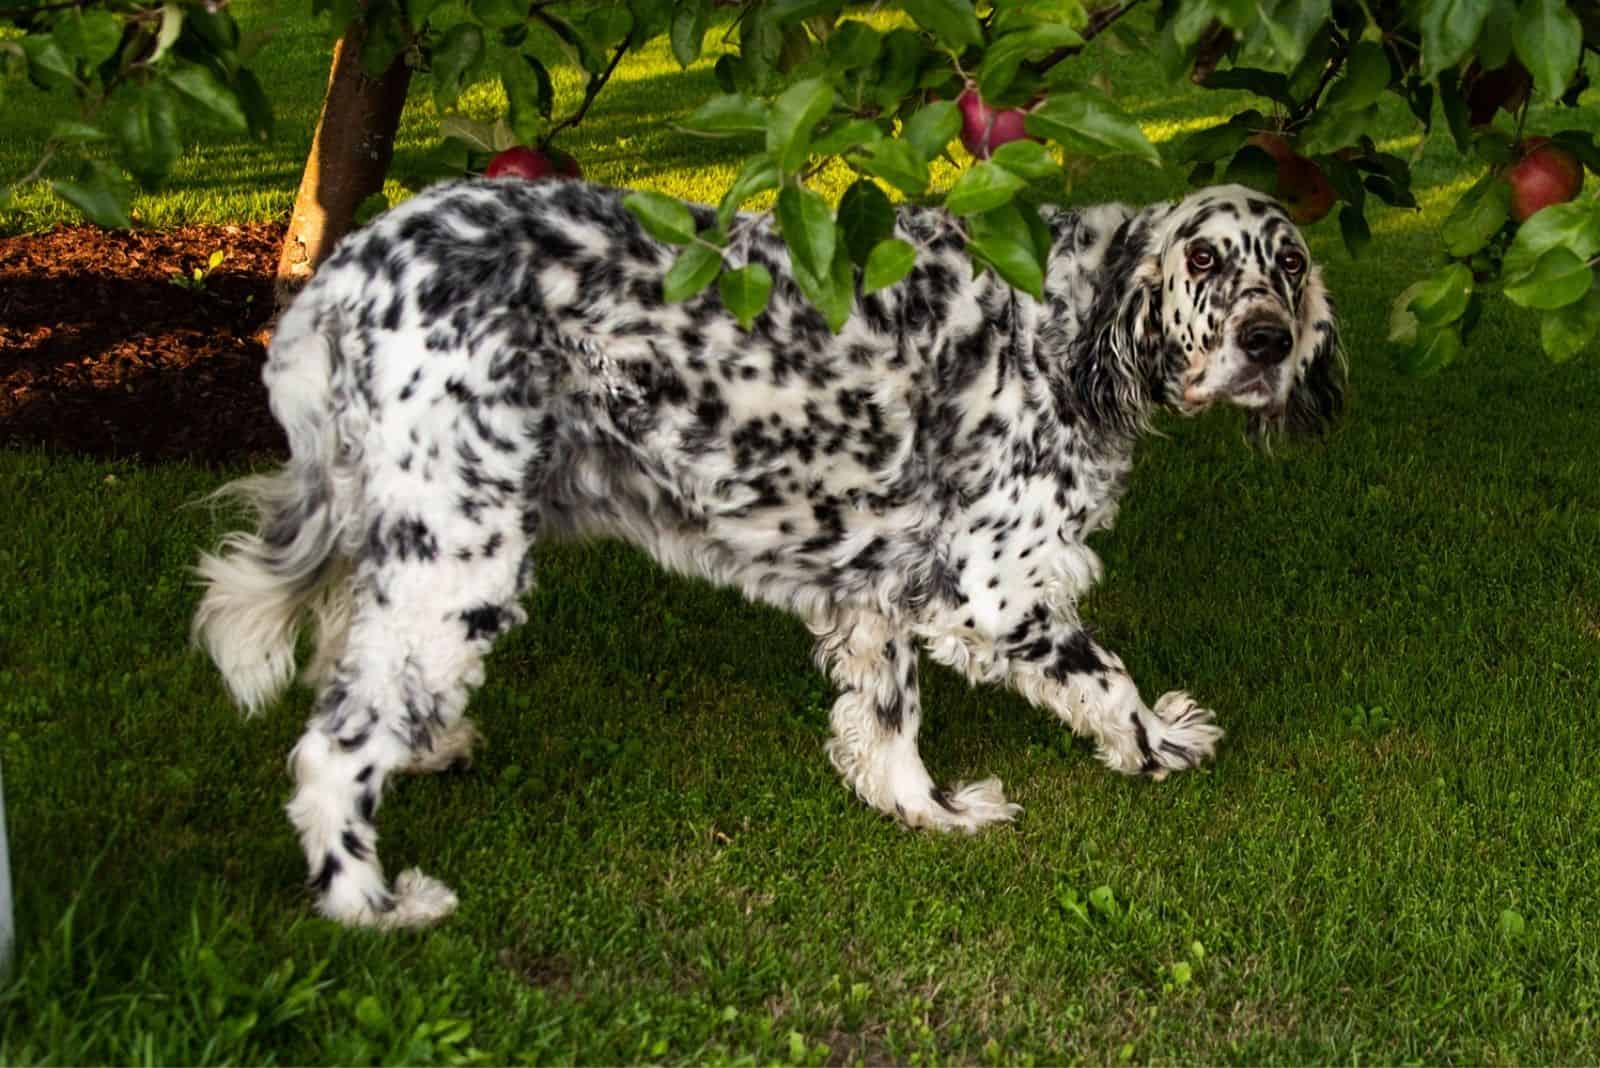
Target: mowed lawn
x,y
1396,856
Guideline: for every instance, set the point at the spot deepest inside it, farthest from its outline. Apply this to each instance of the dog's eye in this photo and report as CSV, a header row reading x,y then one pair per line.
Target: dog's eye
x,y
1201,258
1291,261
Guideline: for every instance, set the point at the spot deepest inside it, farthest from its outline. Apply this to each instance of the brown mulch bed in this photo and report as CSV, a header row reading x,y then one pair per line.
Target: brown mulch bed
x,y
103,356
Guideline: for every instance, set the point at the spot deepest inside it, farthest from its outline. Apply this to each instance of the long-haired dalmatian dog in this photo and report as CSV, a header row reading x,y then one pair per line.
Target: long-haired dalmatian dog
x,y
492,363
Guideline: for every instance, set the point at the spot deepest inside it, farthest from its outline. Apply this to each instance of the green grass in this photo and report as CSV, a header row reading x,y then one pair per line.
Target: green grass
x,y
1400,630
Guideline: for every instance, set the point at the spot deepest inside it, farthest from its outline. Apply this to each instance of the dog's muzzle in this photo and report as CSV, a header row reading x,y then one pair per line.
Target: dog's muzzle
x,y
1266,341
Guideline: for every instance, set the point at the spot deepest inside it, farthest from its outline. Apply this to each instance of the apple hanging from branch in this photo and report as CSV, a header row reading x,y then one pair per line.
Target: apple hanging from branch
x,y
984,129
1546,174
1302,187
530,164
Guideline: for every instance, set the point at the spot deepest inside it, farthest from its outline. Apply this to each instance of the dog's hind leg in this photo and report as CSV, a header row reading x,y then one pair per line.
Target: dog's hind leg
x,y
875,722
433,589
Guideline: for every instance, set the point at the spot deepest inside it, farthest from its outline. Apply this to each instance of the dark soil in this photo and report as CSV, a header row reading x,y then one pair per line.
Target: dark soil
x,y
102,355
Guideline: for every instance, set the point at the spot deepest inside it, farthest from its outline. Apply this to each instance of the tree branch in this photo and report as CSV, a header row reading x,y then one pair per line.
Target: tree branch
x,y
592,90
1099,21
1335,65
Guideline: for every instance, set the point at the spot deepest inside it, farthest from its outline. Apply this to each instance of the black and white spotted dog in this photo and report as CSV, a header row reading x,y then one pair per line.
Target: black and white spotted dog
x,y
492,363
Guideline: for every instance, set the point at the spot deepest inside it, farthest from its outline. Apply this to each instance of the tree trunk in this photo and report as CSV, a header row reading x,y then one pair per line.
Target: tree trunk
x,y
350,154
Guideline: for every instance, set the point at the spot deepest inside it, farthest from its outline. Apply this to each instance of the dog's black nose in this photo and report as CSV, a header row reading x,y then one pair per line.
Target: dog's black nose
x,y
1266,341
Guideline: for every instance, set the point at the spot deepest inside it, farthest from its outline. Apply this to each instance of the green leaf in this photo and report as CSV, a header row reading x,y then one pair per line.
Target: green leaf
x,y
729,113
529,93
1091,124
1574,226
745,291
1449,30
207,94
1215,142
1558,278
607,27
1455,111
458,51
866,218
1267,83
1434,349
48,66
932,127
498,14
1007,240
1027,159
417,12
808,229
100,193
693,270
841,137
1443,297
1006,55
833,294
1566,331
147,129
1477,216
73,132
1292,25
1329,131
889,261
1307,74
982,187
1403,324
689,30
952,21
897,163
1548,37
1253,166
794,114
91,36
663,217
1354,229
757,176
1366,76
853,44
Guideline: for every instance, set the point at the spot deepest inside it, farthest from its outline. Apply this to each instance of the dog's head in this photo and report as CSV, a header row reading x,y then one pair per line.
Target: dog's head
x,y
1246,306
1215,299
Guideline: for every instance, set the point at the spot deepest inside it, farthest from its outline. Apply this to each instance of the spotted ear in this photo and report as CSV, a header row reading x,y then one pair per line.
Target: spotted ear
x,y
1318,394
1115,373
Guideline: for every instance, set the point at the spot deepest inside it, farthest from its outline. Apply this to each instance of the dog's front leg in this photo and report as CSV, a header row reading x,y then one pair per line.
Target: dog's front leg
x,y
1061,668
875,722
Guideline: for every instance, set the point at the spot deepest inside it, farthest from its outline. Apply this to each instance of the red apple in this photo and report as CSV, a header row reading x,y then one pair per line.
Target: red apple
x,y
1546,174
984,129
520,161
1302,186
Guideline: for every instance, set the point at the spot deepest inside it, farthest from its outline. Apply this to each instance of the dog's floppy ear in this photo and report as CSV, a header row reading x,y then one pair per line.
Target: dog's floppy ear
x,y
1317,397
1115,375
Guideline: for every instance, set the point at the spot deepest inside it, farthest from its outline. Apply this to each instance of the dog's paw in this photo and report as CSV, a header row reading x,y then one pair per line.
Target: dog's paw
x,y
359,899
968,807
1185,735
419,901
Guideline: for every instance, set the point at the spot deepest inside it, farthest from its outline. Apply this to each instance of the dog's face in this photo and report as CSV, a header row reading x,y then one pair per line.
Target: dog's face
x,y
1246,311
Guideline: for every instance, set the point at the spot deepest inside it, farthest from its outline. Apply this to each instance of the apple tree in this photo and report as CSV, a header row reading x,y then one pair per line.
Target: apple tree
x,y
811,81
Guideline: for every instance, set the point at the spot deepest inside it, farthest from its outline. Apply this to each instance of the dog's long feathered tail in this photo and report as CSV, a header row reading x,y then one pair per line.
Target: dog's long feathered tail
x,y
259,585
